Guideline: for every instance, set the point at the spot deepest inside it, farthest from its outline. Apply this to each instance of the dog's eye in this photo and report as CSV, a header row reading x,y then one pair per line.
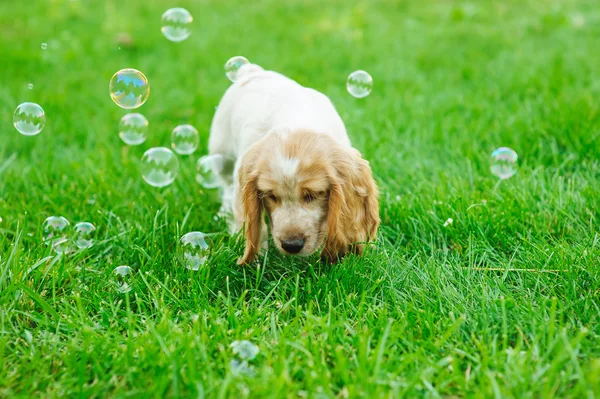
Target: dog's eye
x,y
271,196
309,197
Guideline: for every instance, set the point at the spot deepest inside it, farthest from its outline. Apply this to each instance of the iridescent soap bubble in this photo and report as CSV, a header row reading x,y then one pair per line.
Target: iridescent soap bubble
x,y
194,249
359,84
504,163
133,129
159,166
207,170
184,139
56,234
176,24
84,235
129,88
244,349
29,119
123,276
233,65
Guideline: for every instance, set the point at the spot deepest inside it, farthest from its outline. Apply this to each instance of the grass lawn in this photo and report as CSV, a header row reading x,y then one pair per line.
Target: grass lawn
x,y
421,314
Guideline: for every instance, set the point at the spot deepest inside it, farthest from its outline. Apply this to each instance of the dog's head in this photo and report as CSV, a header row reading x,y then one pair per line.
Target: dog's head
x,y
312,190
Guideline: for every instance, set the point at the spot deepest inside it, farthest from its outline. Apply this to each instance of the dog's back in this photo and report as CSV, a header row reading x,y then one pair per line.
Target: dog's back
x,y
261,101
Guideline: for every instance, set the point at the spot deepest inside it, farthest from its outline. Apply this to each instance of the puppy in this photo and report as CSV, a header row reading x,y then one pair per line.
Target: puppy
x,y
292,160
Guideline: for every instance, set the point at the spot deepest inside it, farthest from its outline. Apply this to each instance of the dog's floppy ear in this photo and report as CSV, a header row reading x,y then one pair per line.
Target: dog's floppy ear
x,y
251,206
252,220
353,210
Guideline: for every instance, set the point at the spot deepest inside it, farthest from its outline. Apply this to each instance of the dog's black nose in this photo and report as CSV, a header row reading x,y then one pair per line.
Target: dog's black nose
x,y
292,246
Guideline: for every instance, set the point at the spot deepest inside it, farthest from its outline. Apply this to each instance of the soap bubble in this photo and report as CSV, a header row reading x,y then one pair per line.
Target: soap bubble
x,y
44,46
29,119
184,139
129,88
55,234
504,163
208,168
241,368
176,23
30,86
359,84
123,276
244,349
84,233
133,129
159,166
233,65
194,250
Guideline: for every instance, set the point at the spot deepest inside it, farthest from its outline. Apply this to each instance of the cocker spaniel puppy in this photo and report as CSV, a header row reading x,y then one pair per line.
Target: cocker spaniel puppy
x,y
291,160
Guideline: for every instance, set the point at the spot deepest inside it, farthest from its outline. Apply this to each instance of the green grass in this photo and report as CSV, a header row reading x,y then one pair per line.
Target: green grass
x,y
415,316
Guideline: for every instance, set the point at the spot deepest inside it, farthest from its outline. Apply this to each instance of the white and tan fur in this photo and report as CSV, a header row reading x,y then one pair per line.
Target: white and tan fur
x,y
294,163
